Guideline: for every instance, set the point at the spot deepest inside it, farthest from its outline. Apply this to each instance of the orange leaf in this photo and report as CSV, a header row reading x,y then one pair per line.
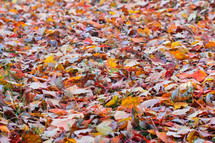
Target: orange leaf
x,y
199,75
171,29
59,112
130,102
30,137
210,44
4,128
140,31
163,137
137,40
111,63
68,140
179,55
72,79
146,31
13,10
151,132
95,24
178,105
139,72
191,137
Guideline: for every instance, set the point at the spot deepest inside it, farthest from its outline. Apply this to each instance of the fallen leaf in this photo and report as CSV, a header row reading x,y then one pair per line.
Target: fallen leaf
x,y
120,115
149,103
111,63
178,105
4,128
105,127
130,102
30,137
163,137
199,75
50,59
190,136
184,130
179,55
59,112
112,101
66,124
181,111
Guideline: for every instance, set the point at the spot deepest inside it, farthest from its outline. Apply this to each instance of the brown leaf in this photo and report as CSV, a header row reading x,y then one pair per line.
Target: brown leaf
x,y
30,137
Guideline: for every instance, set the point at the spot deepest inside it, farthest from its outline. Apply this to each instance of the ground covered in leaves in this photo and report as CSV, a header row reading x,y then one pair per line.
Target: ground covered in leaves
x,y
107,71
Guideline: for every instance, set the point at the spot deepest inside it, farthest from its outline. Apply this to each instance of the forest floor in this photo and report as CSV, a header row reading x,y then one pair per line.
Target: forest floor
x,y
107,71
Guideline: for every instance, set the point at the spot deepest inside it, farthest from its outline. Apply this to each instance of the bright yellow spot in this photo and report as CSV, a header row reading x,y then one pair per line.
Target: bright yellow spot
x,y
113,101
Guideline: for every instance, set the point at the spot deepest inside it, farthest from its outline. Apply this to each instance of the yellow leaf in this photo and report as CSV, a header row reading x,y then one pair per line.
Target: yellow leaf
x,y
208,79
111,63
112,13
128,23
174,44
196,122
195,42
130,102
68,140
25,127
179,55
178,105
191,137
50,59
125,119
60,67
113,101
101,2
50,19
71,79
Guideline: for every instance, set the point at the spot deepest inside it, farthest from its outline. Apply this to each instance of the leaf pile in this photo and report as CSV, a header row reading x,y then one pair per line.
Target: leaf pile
x,y
107,71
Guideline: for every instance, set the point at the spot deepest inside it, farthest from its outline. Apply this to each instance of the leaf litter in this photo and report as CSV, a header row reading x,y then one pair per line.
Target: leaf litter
x,y
107,71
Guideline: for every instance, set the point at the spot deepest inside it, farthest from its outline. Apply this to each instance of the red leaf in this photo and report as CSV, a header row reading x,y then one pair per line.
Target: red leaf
x,y
164,137
199,75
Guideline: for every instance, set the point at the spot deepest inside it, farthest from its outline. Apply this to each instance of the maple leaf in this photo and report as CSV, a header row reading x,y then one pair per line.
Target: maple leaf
x,y
130,102
59,57
111,63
